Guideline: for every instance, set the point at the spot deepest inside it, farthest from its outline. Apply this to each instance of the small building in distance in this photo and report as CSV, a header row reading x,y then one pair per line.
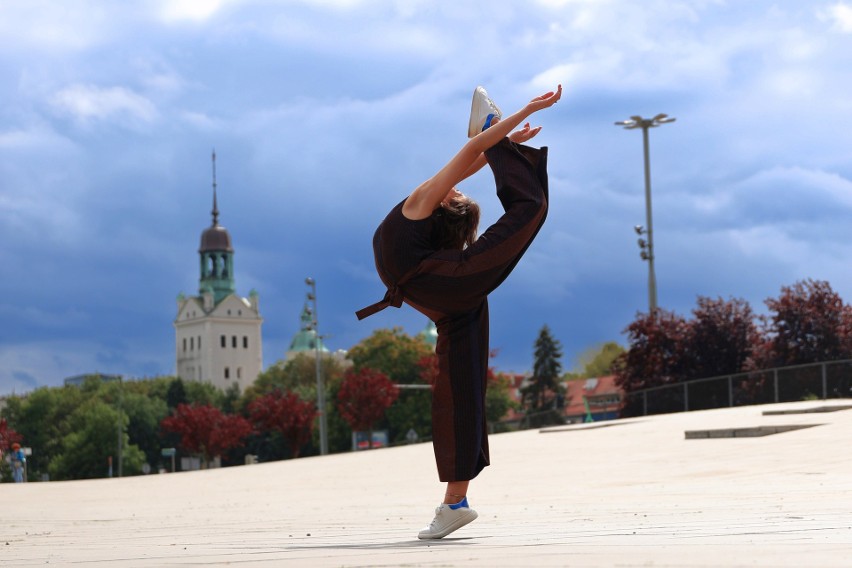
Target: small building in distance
x,y
592,399
78,380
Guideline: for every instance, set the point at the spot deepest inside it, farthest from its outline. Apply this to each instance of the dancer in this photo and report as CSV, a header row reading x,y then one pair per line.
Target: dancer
x,y
428,256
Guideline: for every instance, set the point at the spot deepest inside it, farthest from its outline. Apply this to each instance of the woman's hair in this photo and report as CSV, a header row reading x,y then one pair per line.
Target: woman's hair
x,y
456,222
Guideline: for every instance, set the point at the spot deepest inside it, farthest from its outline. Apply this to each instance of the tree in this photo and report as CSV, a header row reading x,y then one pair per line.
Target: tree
x,y
497,399
144,414
205,430
655,356
392,352
399,357
298,375
808,323
176,395
287,414
598,361
543,391
43,419
92,439
721,338
363,398
8,436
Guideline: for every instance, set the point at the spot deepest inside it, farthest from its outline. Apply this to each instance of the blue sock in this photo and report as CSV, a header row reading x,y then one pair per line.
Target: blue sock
x,y
488,120
460,504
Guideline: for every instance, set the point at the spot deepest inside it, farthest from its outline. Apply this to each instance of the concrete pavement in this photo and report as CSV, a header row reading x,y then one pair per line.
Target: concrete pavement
x,y
625,493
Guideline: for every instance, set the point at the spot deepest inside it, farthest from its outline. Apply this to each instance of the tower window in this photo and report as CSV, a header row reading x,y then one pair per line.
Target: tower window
x,y
227,372
229,312
234,341
245,342
199,343
191,343
224,341
184,344
239,372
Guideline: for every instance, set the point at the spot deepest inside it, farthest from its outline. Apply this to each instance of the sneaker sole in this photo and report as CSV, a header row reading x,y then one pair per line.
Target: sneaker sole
x,y
476,108
459,523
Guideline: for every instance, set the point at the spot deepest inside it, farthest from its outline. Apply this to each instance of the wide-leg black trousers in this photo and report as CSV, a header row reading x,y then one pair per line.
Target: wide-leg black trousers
x,y
451,288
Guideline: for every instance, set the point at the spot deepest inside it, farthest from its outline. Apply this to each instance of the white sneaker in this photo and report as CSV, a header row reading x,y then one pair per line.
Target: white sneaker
x,y
482,112
448,520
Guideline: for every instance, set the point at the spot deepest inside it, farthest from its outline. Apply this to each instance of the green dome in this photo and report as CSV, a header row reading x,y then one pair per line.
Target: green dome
x,y
429,334
306,339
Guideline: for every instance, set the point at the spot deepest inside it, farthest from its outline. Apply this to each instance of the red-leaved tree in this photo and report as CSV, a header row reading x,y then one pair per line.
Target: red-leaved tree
x,y
285,413
656,357
206,430
8,436
428,369
722,337
364,397
809,323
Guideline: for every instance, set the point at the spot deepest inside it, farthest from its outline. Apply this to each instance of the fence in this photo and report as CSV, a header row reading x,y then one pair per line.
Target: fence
x,y
830,379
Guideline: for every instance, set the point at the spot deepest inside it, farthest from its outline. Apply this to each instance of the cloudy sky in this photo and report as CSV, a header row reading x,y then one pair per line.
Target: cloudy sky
x,y
325,113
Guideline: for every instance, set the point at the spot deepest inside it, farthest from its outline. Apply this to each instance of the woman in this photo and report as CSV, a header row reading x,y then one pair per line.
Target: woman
x,y
428,256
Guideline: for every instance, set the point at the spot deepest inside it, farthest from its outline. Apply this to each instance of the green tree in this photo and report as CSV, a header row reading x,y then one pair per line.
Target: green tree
x,y
297,375
201,394
598,361
543,391
144,414
497,399
393,352
42,419
92,440
400,357
176,394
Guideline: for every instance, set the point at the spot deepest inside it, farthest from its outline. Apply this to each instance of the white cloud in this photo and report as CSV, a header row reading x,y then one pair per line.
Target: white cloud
x,y
840,15
59,26
191,10
88,102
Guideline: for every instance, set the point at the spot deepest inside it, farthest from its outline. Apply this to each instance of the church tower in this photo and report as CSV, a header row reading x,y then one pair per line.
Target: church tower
x,y
217,333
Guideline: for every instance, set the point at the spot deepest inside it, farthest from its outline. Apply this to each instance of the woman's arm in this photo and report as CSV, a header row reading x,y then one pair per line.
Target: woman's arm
x,y
519,136
428,195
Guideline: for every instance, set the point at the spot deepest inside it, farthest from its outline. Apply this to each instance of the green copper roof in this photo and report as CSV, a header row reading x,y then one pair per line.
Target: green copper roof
x,y
306,339
429,334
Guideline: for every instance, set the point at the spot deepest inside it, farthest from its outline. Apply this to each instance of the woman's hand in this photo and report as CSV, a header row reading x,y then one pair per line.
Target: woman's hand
x,y
524,134
546,100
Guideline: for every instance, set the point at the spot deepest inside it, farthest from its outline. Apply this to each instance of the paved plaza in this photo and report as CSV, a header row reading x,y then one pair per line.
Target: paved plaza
x,y
637,492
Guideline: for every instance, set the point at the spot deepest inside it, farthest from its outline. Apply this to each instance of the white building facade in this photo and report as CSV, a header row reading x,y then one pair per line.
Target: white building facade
x,y
217,333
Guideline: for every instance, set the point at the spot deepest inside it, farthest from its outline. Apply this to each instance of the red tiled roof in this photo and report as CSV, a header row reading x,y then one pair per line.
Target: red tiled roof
x,y
601,392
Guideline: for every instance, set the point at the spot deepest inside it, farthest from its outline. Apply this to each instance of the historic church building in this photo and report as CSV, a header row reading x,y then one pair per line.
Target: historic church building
x,y
217,333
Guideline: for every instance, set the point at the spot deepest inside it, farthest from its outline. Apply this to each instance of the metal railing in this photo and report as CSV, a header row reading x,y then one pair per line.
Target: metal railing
x,y
829,379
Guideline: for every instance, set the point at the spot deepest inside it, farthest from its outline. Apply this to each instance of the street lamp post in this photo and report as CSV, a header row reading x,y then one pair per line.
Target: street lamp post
x,y
647,246
312,296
